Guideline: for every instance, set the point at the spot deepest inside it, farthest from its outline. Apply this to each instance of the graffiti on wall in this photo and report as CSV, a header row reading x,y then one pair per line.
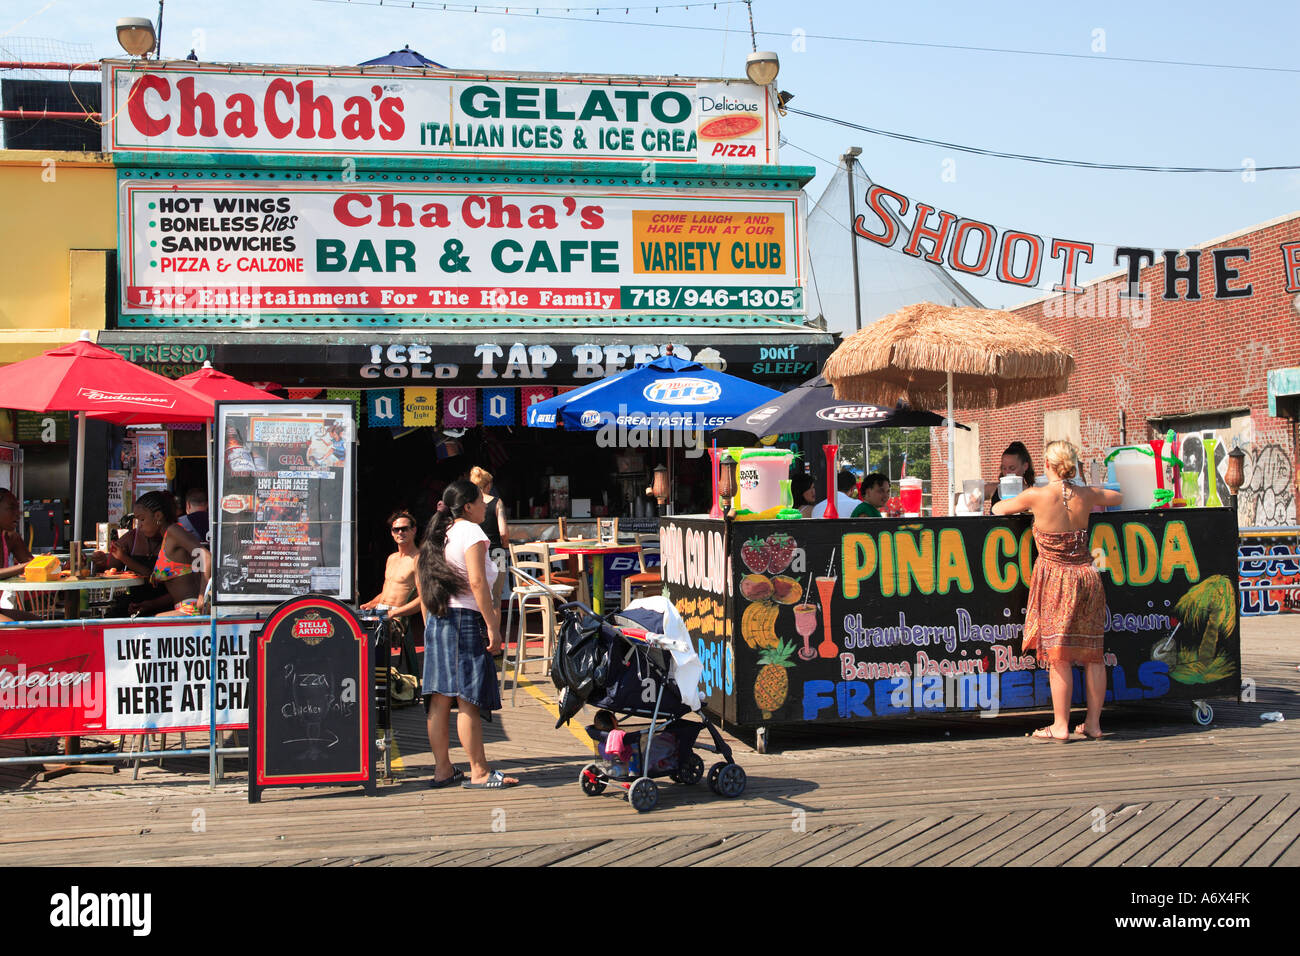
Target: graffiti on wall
x,y
1274,564
1268,491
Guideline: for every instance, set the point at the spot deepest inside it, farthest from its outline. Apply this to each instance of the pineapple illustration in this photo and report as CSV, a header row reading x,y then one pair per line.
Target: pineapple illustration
x,y
772,685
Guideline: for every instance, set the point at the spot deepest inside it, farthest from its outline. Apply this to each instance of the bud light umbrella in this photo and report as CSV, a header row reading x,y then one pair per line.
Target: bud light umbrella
x,y
813,407
667,393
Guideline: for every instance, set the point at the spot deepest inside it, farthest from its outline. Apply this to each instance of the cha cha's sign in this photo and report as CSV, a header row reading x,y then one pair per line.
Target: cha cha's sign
x,y
231,247
350,112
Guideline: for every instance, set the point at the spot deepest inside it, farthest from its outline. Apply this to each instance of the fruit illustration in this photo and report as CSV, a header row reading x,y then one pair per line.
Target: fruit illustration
x,y
754,553
773,684
755,587
780,552
757,624
786,590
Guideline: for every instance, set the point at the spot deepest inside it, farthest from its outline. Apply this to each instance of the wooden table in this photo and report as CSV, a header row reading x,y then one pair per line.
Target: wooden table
x,y
68,585
596,551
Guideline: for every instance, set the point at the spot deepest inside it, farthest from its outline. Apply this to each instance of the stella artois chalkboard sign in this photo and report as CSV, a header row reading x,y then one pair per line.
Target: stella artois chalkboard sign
x,y
312,710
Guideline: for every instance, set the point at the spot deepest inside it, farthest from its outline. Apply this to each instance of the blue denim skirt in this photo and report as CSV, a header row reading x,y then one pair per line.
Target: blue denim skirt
x,y
456,661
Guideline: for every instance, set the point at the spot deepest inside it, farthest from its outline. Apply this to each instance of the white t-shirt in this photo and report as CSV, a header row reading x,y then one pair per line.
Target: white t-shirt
x,y
460,536
843,504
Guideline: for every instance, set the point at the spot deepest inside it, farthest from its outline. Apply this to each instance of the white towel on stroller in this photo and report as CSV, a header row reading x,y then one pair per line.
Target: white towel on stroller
x,y
686,668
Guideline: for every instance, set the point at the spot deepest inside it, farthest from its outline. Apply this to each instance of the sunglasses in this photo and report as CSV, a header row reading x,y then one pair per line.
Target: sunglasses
x,y
399,528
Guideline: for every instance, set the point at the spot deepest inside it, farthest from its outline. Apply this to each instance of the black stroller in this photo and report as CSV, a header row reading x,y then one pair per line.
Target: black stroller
x,y
622,665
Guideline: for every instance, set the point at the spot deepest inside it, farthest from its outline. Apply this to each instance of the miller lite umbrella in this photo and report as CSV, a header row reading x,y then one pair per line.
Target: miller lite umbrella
x,y
666,393
813,407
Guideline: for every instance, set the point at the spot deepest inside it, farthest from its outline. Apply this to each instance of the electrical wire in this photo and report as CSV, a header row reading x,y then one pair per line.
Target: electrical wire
x,y
1043,160
521,10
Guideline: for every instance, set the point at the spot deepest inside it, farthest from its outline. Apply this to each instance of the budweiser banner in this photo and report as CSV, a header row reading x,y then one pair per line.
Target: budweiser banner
x,y
142,677
498,406
383,407
208,247
530,395
239,108
459,407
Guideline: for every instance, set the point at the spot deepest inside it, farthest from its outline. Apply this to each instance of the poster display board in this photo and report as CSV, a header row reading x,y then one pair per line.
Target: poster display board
x,y
836,620
143,677
285,501
222,247
313,709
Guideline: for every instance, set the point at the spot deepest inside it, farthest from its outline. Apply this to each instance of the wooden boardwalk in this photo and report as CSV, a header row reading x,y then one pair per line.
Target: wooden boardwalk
x,y
1160,791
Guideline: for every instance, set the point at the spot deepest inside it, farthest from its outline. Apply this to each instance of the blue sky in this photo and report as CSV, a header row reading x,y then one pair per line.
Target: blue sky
x,y
1092,107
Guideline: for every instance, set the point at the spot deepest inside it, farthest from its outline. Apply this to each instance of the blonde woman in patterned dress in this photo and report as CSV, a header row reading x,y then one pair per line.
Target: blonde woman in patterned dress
x,y
1066,613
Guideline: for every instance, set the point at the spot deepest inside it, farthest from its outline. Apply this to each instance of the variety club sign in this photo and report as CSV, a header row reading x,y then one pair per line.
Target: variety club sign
x,y
205,108
811,621
1021,258
230,247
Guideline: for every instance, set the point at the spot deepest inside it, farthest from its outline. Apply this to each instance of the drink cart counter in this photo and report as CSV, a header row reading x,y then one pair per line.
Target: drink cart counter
x,y
813,621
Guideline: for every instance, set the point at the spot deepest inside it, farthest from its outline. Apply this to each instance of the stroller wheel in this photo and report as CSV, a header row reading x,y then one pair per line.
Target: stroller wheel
x,y
590,781
691,771
730,780
644,795
713,776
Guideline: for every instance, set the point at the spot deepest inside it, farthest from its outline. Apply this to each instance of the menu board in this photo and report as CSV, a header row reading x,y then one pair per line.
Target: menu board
x,y
284,515
311,707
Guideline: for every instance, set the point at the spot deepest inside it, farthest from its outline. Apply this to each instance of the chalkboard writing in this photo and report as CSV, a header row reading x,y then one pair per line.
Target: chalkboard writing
x,y
312,708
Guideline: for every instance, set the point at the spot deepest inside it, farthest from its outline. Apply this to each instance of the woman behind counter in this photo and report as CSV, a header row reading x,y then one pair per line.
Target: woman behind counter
x,y
1015,461
1066,613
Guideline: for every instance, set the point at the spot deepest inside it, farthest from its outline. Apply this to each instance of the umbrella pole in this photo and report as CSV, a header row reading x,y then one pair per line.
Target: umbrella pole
x,y
952,436
78,492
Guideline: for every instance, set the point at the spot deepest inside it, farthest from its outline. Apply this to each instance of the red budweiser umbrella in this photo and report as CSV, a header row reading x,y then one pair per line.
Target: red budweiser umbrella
x,y
86,378
218,386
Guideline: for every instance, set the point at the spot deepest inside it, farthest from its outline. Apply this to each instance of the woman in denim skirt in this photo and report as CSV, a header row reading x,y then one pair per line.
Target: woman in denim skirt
x,y
462,631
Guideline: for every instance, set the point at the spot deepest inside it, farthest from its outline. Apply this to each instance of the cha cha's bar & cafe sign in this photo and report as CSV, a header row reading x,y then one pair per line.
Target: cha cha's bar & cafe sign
x,y
1019,258
350,112
340,247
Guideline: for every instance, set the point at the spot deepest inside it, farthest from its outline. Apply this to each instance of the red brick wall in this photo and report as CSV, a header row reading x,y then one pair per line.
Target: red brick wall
x,y
1174,357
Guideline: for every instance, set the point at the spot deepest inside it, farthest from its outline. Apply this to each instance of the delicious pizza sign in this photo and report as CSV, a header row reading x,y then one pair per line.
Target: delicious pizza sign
x,y
200,248
350,112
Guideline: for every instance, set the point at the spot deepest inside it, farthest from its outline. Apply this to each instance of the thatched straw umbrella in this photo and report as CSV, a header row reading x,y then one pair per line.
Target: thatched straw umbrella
x,y
926,354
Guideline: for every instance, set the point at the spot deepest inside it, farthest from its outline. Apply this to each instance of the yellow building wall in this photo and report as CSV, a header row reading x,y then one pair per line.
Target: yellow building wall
x,y
58,216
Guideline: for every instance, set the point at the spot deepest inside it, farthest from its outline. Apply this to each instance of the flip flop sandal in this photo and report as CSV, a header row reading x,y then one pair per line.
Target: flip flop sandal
x,y
456,777
1045,733
495,781
1081,734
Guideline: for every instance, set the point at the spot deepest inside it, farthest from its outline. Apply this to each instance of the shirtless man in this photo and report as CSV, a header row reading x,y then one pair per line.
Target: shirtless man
x,y
398,593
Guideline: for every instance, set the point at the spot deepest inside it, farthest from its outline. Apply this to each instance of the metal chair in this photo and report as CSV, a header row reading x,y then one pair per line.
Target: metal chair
x,y
649,579
530,564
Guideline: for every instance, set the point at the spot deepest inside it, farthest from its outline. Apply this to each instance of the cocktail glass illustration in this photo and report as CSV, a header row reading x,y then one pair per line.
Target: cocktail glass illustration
x,y
805,622
825,588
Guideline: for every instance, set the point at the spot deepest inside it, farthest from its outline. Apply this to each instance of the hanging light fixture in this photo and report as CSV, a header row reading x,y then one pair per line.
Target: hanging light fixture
x,y
659,486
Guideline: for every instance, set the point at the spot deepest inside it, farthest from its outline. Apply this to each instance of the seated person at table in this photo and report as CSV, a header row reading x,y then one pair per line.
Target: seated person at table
x,y
195,519
844,483
13,555
875,493
155,514
132,553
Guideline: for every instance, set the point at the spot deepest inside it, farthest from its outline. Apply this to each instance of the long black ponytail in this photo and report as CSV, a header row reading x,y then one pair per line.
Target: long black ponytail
x,y
439,581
